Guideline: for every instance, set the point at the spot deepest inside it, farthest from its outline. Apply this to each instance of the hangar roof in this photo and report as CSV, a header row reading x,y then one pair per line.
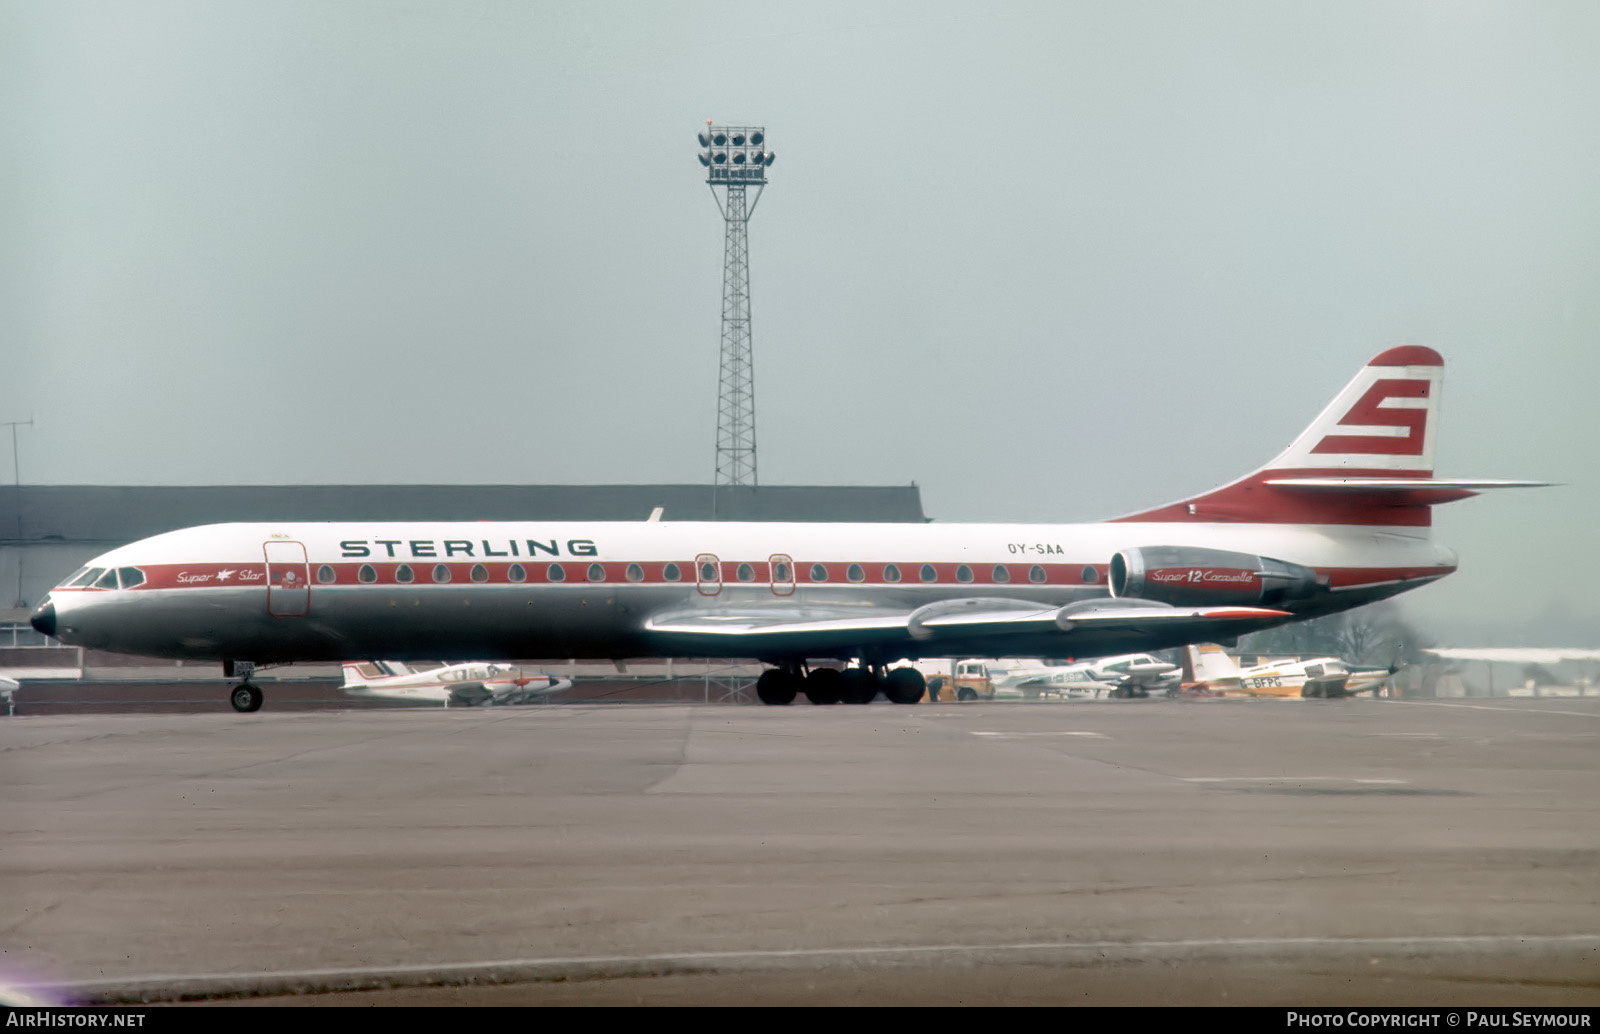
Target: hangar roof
x,y
101,514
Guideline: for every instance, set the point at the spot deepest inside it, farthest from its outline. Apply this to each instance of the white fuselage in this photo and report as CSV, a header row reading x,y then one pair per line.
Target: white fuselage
x,y
323,591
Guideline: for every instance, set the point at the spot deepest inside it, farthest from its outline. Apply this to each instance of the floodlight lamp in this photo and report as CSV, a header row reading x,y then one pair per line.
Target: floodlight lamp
x,y
738,157
705,141
720,157
756,138
703,159
770,157
738,139
720,139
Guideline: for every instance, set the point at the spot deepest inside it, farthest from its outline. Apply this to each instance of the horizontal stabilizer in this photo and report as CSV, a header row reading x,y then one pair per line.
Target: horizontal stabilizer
x,y
1443,485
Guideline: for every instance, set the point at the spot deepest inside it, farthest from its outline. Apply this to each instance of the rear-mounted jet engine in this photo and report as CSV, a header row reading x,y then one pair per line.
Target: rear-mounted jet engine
x,y
1186,575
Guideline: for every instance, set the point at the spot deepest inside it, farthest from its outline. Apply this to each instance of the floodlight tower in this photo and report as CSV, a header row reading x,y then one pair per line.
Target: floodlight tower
x,y
735,157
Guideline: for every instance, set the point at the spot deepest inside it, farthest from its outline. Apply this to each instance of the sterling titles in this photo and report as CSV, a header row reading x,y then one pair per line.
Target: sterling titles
x,y
479,549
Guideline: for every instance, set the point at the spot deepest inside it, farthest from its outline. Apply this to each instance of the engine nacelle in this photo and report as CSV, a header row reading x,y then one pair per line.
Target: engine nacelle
x,y
1187,575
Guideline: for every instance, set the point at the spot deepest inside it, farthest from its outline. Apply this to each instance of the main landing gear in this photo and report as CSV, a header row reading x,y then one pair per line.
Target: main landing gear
x,y
858,685
245,697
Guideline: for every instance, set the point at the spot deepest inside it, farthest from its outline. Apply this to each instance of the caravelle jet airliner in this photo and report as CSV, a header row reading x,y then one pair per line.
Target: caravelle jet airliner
x,y
1340,518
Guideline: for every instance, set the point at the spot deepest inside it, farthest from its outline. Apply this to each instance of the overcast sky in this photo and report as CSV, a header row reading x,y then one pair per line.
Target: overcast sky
x,y
1052,261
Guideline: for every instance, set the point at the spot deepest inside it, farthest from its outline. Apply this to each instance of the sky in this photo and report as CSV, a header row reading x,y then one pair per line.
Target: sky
x,y
1049,261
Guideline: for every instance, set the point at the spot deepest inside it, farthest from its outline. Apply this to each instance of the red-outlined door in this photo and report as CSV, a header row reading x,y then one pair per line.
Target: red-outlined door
x,y
782,568
708,574
288,579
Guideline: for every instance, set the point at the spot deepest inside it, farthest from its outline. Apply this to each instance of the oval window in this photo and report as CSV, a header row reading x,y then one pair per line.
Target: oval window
x,y
928,574
671,573
635,573
555,573
597,573
480,573
891,573
366,574
325,575
517,573
963,573
1090,576
854,573
780,573
403,573
708,572
441,573
819,573
746,573
1035,573
1001,574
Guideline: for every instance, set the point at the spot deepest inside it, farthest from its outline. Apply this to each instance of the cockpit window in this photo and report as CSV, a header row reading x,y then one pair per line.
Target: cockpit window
x,y
82,576
131,576
107,580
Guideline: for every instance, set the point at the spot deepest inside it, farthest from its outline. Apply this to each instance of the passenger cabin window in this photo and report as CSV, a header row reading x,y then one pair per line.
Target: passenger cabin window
x,y
403,573
107,580
131,576
1090,576
928,574
854,573
780,573
963,573
635,573
325,574
671,573
517,573
1035,573
891,573
366,574
819,573
480,573
441,573
555,573
708,572
746,573
1001,574
597,573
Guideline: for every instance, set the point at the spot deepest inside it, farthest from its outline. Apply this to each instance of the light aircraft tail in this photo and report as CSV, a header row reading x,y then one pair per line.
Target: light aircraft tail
x,y
1367,459
363,673
1207,662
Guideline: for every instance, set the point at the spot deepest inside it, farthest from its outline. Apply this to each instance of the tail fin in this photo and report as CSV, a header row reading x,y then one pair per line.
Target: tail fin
x,y
1366,459
1207,662
358,675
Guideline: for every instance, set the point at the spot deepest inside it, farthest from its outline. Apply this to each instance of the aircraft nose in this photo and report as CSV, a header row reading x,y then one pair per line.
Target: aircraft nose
x,y
44,619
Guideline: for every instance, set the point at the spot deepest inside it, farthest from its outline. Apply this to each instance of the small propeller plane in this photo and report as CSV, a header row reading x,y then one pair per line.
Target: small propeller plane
x,y
473,684
1206,668
1125,675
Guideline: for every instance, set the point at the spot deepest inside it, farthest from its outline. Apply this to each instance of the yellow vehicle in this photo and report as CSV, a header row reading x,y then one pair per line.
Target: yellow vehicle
x,y
952,679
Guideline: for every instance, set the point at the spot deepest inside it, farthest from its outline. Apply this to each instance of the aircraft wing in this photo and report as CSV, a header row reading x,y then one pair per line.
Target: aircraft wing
x,y
971,620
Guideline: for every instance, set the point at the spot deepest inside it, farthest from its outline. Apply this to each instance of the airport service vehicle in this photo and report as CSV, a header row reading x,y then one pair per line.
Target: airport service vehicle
x,y
1338,519
1210,669
1124,675
949,678
473,684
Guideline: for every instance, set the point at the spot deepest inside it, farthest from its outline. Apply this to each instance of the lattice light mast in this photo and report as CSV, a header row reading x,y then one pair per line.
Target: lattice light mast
x,y
735,157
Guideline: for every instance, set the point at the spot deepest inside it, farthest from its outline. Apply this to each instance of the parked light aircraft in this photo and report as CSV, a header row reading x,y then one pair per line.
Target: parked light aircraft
x,y
473,684
1338,519
1208,668
1126,675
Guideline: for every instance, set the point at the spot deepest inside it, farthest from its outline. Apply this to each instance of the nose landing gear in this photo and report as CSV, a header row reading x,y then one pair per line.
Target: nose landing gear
x,y
245,697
